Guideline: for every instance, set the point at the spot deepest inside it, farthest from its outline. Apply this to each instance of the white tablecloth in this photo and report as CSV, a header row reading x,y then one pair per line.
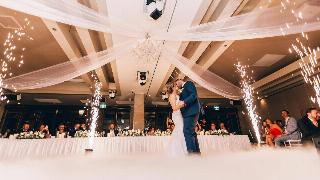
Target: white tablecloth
x,y
38,148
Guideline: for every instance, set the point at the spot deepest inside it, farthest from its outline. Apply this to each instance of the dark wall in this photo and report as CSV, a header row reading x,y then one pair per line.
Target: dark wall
x,y
296,100
16,115
227,115
156,117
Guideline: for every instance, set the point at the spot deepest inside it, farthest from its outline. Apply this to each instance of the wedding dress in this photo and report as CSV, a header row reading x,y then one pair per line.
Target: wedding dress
x,y
177,145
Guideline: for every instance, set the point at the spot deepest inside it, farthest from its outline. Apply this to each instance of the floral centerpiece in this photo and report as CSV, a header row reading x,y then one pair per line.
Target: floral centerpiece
x,y
84,134
158,132
220,132
30,135
132,132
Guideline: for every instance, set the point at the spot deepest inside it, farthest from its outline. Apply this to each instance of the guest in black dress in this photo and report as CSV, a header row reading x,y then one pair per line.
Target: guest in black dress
x,y
204,124
25,127
169,123
111,131
83,127
44,130
73,130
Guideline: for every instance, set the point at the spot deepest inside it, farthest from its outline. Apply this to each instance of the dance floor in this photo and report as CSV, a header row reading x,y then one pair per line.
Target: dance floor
x,y
259,164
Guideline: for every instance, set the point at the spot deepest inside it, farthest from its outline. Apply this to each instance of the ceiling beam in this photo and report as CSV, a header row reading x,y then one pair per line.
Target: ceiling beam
x,y
62,88
101,7
281,73
206,10
228,10
206,59
215,50
211,14
63,37
90,48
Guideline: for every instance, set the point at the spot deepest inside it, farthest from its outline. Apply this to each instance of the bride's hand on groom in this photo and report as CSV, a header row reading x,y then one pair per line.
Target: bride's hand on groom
x,y
181,104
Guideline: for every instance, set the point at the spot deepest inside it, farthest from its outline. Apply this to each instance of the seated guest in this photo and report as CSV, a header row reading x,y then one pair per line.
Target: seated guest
x,y
223,127
172,127
318,115
25,127
61,133
291,130
83,127
197,129
280,123
273,131
7,133
151,131
204,124
111,131
263,130
44,130
309,125
73,130
212,128
169,123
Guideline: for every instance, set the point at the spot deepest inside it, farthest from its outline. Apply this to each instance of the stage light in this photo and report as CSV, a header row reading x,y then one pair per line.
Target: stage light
x,y
164,96
154,8
142,77
112,94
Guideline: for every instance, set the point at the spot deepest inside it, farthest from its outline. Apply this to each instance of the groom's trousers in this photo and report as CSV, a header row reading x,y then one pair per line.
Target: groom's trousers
x,y
189,124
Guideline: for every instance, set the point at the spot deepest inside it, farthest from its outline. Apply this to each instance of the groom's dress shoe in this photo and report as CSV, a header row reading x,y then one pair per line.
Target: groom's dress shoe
x,y
194,154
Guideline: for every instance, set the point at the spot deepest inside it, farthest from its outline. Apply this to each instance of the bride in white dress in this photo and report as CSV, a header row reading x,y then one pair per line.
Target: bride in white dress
x,y
177,145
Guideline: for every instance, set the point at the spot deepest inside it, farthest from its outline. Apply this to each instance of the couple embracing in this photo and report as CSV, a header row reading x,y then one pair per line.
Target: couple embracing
x,y
184,101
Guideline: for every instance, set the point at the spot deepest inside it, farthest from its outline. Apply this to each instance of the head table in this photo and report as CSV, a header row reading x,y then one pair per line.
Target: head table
x,y
40,148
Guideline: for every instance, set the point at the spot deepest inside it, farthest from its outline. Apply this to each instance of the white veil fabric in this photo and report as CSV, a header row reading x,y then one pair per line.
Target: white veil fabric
x,y
68,70
73,13
261,23
204,78
269,22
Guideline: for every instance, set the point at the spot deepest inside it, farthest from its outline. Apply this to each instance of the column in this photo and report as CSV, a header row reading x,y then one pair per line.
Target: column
x,y
2,118
138,111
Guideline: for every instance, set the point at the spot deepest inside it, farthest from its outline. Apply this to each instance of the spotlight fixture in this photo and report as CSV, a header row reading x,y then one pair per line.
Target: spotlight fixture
x,y
142,77
112,93
154,8
164,96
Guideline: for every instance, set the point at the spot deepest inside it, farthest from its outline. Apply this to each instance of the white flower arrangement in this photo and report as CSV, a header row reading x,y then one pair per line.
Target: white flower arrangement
x,y
84,134
157,132
220,132
166,133
132,132
162,133
30,135
138,132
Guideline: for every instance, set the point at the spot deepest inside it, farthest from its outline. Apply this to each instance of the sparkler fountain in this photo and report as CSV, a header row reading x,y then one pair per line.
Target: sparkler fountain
x,y
13,53
94,112
248,98
308,56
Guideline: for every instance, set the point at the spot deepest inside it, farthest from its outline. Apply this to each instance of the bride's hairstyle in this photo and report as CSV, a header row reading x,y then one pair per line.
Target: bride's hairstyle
x,y
169,88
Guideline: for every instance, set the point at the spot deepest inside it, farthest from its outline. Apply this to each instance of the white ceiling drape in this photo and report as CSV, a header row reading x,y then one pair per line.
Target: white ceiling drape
x,y
268,22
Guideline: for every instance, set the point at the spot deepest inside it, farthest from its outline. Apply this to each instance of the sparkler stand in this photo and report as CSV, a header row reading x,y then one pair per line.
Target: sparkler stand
x,y
88,151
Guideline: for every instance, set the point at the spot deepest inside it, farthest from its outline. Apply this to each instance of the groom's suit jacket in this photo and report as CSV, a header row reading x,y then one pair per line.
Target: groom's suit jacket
x,y
190,97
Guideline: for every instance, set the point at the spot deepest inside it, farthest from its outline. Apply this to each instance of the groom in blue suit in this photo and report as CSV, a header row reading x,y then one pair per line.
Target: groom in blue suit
x,y
190,112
